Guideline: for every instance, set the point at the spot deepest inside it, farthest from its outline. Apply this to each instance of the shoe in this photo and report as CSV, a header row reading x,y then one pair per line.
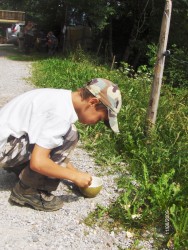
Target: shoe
x,y
37,199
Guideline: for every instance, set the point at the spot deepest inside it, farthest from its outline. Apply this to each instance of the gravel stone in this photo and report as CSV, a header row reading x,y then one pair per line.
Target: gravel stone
x,y
25,228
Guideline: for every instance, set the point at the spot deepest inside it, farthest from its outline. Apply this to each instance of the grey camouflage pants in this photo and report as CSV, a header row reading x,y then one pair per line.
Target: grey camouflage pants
x,y
17,151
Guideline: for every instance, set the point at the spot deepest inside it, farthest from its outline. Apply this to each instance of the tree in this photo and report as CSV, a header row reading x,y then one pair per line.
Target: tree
x,y
126,26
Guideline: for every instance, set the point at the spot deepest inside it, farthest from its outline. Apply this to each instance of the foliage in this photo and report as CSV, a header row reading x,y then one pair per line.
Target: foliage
x,y
176,71
133,23
97,13
158,167
176,65
179,219
151,54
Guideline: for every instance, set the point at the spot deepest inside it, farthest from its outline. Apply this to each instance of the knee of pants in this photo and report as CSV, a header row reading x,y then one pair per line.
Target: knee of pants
x,y
72,136
60,153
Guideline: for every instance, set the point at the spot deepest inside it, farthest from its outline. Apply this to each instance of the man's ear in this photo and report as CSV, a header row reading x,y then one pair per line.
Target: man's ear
x,y
93,101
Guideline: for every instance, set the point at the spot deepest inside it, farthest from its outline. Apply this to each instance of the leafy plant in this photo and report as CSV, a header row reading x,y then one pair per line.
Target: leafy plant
x,y
177,67
179,219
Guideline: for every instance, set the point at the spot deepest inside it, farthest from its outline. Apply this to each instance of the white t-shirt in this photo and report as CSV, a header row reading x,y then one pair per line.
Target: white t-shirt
x,y
44,114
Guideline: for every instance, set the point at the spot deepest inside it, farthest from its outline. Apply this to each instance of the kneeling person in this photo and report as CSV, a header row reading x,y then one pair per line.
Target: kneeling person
x,y
38,135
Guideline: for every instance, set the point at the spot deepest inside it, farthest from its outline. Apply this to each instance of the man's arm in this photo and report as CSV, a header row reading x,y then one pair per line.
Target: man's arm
x,y
70,166
41,163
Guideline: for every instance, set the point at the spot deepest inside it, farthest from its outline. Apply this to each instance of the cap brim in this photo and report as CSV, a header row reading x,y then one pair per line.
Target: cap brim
x,y
112,122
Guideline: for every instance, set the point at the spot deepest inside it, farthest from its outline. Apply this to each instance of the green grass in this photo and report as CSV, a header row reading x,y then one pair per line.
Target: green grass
x,y
158,165
12,52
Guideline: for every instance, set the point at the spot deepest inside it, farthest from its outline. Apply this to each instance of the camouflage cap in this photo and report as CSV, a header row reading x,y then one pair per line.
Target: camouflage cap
x,y
109,94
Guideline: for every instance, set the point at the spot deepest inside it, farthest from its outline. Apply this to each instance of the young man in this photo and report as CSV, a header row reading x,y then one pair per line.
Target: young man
x,y
37,135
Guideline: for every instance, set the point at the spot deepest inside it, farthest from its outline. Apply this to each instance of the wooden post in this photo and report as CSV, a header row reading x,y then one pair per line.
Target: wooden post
x,y
113,61
99,46
64,41
159,67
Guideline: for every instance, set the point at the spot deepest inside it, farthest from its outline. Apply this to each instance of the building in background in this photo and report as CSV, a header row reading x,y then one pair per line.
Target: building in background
x,y
10,22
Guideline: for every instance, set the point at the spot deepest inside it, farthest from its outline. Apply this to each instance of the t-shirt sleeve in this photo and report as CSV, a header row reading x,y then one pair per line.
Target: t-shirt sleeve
x,y
52,132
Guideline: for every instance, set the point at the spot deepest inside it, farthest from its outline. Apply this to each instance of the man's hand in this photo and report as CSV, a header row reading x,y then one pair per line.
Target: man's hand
x,y
41,163
82,179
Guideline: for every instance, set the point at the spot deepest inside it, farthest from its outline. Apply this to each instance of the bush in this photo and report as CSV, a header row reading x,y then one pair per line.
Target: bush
x,y
176,65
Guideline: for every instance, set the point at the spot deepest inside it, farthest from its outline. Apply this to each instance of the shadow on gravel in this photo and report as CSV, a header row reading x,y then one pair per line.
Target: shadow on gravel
x,y
72,187
7,180
12,52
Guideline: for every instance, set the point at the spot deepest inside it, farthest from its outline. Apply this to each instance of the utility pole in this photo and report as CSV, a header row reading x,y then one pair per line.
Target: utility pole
x,y
159,67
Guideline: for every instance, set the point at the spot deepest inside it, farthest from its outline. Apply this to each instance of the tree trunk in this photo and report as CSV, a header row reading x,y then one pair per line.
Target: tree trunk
x,y
136,60
159,67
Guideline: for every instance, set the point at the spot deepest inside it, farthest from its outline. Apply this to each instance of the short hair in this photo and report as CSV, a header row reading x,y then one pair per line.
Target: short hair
x,y
85,94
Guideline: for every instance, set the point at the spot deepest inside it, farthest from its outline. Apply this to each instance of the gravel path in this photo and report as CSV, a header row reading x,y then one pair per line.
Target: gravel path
x,y
25,228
